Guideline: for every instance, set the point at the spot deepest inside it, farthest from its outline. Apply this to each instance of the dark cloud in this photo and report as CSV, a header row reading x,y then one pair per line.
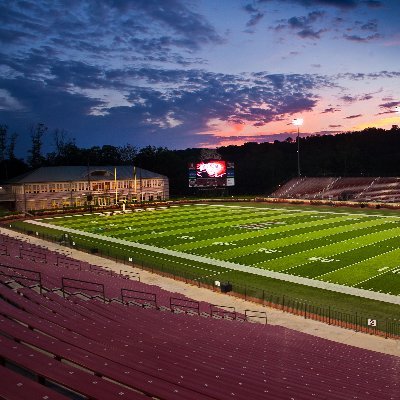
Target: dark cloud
x,y
255,19
304,22
389,105
333,3
9,36
167,107
330,110
250,8
335,126
310,34
349,99
353,116
107,28
353,99
174,14
385,112
371,75
366,97
343,4
362,39
303,25
371,25
373,3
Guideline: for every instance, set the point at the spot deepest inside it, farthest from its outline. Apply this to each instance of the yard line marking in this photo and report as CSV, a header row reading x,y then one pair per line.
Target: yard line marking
x,y
361,261
329,244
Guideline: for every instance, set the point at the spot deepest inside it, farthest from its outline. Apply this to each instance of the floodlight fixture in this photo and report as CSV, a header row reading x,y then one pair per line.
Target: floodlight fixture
x,y
298,122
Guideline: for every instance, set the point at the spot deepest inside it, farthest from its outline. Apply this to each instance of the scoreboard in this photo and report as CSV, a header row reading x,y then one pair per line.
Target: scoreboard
x,y
211,173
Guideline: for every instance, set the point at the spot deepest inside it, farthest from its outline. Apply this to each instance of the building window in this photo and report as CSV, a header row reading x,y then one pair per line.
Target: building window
x,y
98,186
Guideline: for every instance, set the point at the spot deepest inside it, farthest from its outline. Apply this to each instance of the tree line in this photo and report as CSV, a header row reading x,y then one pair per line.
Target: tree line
x,y
259,167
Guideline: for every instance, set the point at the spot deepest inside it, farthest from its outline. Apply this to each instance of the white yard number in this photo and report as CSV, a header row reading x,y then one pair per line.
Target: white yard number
x,y
371,322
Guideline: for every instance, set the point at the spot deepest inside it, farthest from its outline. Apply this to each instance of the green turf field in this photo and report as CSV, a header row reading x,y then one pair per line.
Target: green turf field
x,y
359,249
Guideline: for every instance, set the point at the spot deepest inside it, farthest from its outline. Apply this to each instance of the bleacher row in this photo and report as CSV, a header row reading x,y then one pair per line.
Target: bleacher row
x,y
80,347
58,270
380,189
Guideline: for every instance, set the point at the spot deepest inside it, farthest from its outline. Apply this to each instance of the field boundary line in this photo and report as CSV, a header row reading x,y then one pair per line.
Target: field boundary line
x,y
238,267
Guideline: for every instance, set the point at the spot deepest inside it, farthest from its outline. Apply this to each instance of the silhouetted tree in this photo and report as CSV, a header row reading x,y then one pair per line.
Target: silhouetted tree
x,y
3,142
127,154
37,131
11,146
259,167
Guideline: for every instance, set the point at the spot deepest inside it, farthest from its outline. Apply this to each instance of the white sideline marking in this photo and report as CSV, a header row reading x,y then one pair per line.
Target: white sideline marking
x,y
389,298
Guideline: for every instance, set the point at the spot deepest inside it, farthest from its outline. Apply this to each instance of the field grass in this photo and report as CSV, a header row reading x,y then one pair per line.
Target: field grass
x,y
353,248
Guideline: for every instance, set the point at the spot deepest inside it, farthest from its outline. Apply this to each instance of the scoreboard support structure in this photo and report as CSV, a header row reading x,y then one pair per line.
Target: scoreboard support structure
x,y
211,192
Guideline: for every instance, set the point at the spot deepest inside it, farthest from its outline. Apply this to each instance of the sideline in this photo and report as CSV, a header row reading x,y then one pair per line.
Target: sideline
x,y
334,287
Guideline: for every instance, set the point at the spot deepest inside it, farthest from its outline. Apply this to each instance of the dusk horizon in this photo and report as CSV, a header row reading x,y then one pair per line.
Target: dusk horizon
x,y
184,74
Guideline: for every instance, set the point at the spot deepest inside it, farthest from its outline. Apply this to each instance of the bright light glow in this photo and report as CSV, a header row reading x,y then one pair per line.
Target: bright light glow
x,y
397,109
298,121
212,169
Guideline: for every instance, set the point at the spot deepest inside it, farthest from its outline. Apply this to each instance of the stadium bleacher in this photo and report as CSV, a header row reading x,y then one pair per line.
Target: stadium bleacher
x,y
55,269
86,347
380,189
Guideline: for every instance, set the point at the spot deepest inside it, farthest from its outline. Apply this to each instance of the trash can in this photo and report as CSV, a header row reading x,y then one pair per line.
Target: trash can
x,y
226,287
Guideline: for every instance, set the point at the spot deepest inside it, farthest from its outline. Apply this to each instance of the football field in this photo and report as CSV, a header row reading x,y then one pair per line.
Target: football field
x,y
354,249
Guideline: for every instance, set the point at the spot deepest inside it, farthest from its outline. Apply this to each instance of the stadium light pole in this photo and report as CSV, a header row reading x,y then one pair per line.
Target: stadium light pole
x,y
298,122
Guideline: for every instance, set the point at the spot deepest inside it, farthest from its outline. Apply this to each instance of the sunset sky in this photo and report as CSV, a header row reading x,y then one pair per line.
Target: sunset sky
x,y
197,73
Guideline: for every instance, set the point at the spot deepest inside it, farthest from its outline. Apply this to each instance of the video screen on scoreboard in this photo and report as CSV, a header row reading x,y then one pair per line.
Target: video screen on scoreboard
x,y
211,173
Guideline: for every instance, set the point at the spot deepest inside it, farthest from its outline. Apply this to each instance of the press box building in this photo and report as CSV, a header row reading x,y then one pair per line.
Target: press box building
x,y
66,186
